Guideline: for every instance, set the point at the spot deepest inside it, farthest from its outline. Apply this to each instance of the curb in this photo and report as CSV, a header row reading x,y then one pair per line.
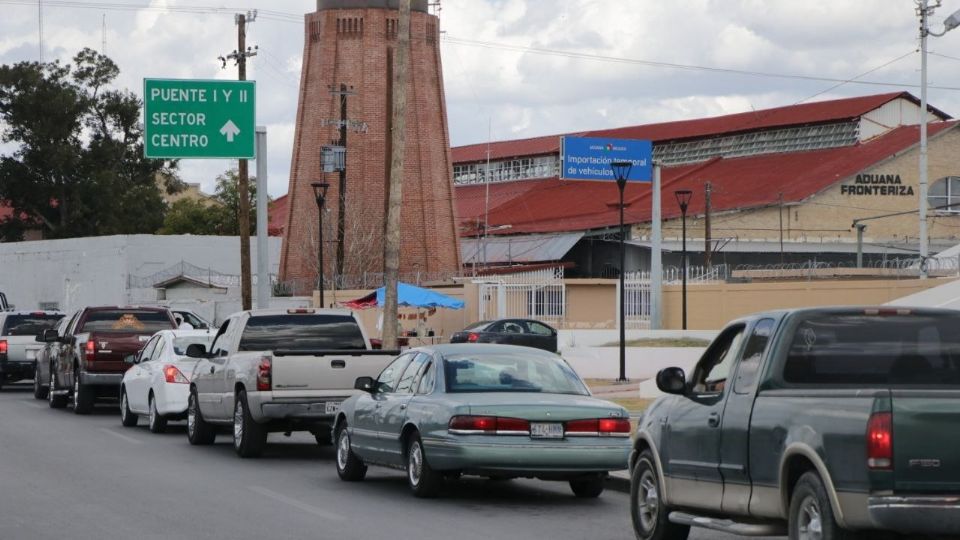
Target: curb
x,y
618,481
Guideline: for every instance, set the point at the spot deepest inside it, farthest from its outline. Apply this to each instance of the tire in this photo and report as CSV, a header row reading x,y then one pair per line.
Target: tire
x,y
127,417
587,488
82,396
158,422
199,432
39,391
249,437
424,482
350,467
56,401
647,511
811,515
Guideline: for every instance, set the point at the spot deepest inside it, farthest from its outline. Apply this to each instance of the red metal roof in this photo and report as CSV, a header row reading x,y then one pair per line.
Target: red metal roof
x,y
804,113
553,205
277,215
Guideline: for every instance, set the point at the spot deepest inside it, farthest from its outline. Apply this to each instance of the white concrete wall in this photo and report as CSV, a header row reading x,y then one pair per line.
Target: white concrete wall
x,y
597,338
641,362
87,271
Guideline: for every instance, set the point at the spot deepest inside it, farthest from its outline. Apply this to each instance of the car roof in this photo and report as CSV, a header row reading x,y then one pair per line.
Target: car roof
x,y
290,311
33,312
448,349
187,333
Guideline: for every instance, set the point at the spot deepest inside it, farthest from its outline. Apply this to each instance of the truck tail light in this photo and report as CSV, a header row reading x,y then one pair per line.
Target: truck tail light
x,y
473,337
3,346
174,375
264,373
90,351
880,441
598,427
488,425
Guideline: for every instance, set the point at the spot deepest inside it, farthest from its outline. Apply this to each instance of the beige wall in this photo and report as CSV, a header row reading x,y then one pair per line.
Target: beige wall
x,y
827,216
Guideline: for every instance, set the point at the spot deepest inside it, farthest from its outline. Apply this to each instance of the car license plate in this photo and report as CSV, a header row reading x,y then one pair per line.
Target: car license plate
x,y
541,430
332,407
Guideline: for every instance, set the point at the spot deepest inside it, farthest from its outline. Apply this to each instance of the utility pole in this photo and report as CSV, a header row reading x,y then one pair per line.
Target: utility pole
x,y
342,180
780,211
243,180
707,247
391,250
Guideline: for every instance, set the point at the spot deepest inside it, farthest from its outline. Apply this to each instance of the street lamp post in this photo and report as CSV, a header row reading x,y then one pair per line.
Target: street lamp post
x,y
320,192
683,199
621,170
924,10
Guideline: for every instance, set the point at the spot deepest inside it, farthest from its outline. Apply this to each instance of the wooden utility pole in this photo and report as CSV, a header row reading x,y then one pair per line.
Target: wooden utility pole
x,y
243,180
707,247
391,246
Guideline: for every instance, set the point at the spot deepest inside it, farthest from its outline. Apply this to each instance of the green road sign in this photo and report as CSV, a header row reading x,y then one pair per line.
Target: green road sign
x,y
189,118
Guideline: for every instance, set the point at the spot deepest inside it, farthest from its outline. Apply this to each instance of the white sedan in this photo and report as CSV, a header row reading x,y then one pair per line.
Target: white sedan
x,y
157,385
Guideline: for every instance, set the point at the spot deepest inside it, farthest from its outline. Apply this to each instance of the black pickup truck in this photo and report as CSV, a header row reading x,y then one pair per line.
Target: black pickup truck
x,y
817,423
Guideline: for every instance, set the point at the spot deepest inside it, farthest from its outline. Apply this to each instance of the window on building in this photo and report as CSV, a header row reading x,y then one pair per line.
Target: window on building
x,y
944,196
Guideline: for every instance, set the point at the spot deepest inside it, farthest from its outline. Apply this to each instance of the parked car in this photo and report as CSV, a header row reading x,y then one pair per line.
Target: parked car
x,y
277,370
4,306
810,422
48,351
89,363
157,385
489,410
18,342
525,332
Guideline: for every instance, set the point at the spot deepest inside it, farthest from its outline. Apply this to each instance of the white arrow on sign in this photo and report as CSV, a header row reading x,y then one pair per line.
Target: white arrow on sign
x,y
230,130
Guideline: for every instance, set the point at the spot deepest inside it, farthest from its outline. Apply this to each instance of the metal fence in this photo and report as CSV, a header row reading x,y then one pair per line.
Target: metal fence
x,y
539,294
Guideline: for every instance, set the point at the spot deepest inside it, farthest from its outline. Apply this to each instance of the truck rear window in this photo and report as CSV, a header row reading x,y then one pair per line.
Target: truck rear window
x,y
127,321
852,349
29,325
301,332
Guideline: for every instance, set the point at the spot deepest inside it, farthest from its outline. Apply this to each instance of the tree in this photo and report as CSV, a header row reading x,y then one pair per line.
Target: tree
x,y
220,216
78,168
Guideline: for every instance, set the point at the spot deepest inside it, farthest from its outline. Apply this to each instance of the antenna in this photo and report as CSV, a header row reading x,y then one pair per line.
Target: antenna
x,y
40,24
103,38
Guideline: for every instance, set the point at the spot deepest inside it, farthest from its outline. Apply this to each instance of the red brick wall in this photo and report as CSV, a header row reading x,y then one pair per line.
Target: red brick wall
x,y
351,46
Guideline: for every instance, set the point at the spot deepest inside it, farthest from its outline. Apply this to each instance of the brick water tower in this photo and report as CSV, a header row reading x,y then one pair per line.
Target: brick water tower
x,y
345,97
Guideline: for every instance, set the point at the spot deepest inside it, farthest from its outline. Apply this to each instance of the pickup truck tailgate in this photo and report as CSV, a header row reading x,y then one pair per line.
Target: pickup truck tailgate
x,y
926,439
326,370
22,348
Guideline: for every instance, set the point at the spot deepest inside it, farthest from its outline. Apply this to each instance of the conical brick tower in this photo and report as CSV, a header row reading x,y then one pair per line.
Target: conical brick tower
x,y
348,56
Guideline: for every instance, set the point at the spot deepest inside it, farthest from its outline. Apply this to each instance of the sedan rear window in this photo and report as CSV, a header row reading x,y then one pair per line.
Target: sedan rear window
x,y
511,372
127,321
180,344
301,332
29,325
867,349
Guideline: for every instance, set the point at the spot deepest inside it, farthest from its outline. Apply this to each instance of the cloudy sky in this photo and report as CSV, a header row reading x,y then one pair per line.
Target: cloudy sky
x,y
520,68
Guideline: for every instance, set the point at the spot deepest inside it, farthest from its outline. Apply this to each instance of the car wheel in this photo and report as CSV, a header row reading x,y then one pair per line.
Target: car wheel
x,y
647,510
127,418
811,516
82,396
587,488
349,466
198,430
56,401
158,422
39,391
422,479
249,437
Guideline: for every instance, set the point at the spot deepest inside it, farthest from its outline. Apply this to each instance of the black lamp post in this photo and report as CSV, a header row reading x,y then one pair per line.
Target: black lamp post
x,y
683,199
320,192
621,170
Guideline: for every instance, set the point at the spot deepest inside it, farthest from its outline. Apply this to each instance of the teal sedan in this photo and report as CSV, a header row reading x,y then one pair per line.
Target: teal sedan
x,y
498,411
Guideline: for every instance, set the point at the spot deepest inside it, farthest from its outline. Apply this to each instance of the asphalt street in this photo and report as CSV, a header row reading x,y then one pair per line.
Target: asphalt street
x,y
87,477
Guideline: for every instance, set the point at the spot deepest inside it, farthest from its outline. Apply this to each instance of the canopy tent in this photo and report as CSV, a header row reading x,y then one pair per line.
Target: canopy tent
x,y
407,296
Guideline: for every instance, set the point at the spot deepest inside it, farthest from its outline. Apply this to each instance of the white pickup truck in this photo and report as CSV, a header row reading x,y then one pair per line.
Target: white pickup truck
x,y
278,371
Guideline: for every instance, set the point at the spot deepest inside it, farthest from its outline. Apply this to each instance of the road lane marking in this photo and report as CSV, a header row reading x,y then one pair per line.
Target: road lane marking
x,y
119,436
295,503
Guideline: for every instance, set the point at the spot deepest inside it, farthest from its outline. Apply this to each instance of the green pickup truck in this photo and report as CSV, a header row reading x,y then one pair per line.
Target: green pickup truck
x,y
817,423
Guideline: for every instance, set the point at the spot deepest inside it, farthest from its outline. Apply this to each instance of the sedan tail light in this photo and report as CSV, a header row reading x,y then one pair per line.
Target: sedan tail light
x,y
90,351
880,441
488,425
174,375
265,373
598,427
3,346
473,337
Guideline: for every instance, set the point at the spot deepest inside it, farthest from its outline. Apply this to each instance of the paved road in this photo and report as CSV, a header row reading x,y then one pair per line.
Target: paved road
x,y
64,476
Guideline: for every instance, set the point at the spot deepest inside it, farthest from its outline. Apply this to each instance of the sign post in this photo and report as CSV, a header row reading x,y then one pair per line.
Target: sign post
x,y
186,118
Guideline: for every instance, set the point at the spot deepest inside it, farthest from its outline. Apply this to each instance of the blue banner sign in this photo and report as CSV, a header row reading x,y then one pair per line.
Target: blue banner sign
x,y
589,158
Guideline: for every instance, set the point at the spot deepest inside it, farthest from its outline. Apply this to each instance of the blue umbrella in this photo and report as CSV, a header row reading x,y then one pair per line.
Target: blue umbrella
x,y
418,297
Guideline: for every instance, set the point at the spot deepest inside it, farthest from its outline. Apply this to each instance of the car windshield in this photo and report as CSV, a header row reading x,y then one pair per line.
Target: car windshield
x,y
29,325
510,372
476,325
180,344
876,349
127,321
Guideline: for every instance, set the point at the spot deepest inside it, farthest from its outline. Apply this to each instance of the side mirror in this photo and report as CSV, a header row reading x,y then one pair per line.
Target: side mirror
x,y
366,384
197,350
672,380
48,336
